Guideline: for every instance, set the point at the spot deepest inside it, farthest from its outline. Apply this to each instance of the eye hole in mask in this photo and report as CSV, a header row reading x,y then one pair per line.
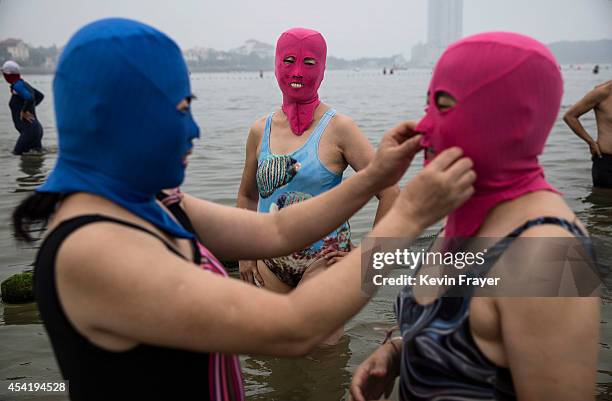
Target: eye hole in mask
x,y
289,60
184,105
310,61
445,101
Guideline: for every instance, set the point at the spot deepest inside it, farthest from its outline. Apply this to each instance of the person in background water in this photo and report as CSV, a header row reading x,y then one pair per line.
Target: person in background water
x,y
600,101
298,152
24,99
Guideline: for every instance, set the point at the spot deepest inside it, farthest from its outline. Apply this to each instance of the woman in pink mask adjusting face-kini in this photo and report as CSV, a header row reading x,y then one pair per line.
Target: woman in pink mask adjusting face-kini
x,y
496,96
297,152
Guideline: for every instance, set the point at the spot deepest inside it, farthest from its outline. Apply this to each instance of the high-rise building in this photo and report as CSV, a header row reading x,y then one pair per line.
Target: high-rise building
x,y
445,22
444,26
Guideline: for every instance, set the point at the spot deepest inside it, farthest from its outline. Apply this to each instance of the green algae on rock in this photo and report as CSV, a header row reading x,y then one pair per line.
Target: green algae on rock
x,y
18,288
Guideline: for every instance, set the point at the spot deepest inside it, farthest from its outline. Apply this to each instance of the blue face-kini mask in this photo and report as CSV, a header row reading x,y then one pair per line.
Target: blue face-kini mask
x,y
116,89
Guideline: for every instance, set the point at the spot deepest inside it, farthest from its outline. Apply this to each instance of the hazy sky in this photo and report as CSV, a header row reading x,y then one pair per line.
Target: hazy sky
x,y
353,28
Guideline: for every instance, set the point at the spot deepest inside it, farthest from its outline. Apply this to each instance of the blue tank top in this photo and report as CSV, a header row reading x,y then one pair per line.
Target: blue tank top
x,y
281,184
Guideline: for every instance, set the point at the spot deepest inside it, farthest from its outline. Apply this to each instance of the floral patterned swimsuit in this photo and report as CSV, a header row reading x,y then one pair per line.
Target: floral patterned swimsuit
x,y
280,184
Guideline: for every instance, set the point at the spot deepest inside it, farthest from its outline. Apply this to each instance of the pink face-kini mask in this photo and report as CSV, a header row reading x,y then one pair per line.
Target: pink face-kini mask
x,y
508,89
299,81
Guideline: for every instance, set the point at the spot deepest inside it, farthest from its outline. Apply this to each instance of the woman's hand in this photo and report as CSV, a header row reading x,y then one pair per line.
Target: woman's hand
x,y
249,273
27,116
595,149
376,375
442,186
394,155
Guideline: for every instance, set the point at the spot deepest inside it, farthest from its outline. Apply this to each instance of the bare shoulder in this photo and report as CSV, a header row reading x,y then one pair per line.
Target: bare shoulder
x,y
342,122
115,246
605,86
255,136
258,127
344,130
603,90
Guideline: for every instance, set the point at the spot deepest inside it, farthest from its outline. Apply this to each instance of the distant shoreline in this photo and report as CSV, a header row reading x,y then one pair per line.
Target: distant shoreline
x,y
50,71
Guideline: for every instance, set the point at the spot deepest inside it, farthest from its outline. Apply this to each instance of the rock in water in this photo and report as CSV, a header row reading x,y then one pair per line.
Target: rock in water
x,y
18,288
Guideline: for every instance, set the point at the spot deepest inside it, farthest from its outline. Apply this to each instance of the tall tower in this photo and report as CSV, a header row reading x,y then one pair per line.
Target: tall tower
x,y
444,26
445,22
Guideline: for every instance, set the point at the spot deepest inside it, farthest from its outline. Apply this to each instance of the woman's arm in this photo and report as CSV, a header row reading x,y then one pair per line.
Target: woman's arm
x,y
235,234
248,196
134,289
28,100
552,346
358,153
551,343
587,103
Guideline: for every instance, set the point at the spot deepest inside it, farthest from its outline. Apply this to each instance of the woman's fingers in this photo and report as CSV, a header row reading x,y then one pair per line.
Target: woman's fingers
x,y
358,381
248,277
333,261
458,169
334,254
411,146
465,195
465,180
404,131
445,159
258,277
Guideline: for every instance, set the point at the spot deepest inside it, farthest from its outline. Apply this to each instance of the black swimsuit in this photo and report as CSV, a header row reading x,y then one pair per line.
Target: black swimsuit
x,y
145,372
440,360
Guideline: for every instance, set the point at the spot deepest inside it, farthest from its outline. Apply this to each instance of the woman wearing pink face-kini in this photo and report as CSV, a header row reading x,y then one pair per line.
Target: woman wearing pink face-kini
x,y
297,152
533,335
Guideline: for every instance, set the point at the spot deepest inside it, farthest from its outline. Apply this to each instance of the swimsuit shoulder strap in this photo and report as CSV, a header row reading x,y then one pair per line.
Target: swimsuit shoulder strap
x,y
495,252
66,227
547,220
265,140
323,123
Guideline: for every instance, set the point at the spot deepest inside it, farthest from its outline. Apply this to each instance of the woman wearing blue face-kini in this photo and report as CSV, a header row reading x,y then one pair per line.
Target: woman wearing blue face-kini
x,y
129,313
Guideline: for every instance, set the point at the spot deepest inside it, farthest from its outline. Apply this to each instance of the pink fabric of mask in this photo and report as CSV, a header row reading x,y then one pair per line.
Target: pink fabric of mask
x,y
508,89
299,104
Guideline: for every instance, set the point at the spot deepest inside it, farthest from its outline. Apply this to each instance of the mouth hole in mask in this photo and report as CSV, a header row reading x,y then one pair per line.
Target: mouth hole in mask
x,y
445,101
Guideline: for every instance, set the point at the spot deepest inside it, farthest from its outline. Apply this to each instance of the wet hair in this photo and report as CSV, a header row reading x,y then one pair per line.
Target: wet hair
x,y
35,209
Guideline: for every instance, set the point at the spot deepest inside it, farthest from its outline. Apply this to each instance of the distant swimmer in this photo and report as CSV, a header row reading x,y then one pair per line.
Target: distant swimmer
x,y
599,100
391,71
596,69
260,73
384,70
24,99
